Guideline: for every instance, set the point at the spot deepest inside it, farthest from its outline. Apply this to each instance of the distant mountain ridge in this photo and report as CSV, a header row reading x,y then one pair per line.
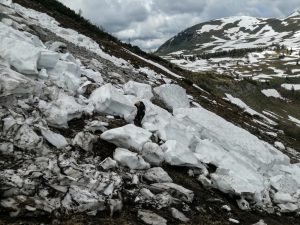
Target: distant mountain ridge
x,y
234,33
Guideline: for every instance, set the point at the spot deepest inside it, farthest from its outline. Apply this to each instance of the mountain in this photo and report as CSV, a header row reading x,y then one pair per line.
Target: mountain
x,y
71,154
234,33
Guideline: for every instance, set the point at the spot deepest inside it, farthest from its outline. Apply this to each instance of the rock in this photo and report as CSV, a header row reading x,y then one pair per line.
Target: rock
x,y
179,215
85,140
96,125
129,159
151,218
108,164
157,175
107,99
26,138
139,90
153,153
173,96
57,47
55,139
179,191
243,204
129,136
204,181
115,205
47,60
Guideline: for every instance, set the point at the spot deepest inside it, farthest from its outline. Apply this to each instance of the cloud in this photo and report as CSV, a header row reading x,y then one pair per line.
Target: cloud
x,y
149,23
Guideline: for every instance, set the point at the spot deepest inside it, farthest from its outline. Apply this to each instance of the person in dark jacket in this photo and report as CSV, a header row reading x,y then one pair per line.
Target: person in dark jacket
x,y
140,113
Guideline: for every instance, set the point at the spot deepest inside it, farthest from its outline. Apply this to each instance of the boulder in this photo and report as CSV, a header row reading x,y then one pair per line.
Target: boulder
x,y
130,159
179,215
157,175
85,140
108,164
151,218
129,136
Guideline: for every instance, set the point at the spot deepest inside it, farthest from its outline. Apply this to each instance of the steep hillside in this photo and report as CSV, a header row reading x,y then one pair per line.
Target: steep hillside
x,y
71,154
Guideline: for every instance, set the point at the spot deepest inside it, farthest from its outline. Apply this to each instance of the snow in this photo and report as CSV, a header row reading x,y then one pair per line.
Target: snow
x,y
107,99
296,87
139,90
293,119
129,159
6,2
93,75
128,136
45,21
271,93
246,108
173,96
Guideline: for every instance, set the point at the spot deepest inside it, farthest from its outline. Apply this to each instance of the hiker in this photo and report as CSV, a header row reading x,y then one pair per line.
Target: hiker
x,y
140,113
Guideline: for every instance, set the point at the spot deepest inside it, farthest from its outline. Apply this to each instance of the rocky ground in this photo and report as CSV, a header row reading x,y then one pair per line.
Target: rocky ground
x,y
60,163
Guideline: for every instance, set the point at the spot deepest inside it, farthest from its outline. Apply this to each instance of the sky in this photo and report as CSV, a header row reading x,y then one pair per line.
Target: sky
x,y
149,23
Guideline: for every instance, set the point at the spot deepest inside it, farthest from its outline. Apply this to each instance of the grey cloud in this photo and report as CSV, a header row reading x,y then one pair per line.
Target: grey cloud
x,y
148,23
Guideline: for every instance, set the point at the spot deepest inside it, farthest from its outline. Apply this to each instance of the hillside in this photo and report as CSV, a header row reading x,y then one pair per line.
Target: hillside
x,y
237,32
71,154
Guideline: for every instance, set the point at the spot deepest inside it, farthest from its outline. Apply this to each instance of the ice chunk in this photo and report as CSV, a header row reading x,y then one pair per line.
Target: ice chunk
x,y
55,139
66,74
282,198
153,154
179,155
130,159
129,136
12,82
85,140
62,110
96,126
57,47
6,2
140,90
279,145
93,75
157,175
107,99
47,59
173,96
288,208
18,50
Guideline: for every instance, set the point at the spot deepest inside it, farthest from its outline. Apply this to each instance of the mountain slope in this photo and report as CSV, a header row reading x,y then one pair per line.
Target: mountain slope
x,y
235,33
70,154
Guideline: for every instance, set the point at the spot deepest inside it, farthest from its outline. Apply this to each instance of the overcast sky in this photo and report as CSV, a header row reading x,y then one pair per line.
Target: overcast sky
x,y
149,23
